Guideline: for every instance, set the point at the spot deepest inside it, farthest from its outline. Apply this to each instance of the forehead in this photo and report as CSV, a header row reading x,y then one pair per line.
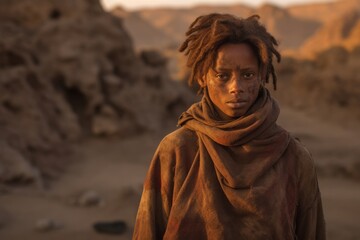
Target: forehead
x,y
236,53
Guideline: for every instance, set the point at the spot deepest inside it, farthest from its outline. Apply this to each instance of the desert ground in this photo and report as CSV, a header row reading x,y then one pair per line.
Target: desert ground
x,y
115,169
70,70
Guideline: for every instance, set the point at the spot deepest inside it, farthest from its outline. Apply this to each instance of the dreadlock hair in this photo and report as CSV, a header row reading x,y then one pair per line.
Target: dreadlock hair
x,y
207,33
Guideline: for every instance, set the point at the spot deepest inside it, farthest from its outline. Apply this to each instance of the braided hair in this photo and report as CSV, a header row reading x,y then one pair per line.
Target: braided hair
x,y
207,33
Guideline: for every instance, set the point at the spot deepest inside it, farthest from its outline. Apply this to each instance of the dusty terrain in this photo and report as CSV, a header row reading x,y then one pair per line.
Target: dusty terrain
x,y
115,168
71,71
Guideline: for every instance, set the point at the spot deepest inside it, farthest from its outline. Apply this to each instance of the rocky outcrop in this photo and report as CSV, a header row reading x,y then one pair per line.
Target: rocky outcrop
x,y
343,31
327,86
323,11
67,70
32,14
280,23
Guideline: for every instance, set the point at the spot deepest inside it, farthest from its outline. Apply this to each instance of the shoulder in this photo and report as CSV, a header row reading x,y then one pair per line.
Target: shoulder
x,y
180,138
304,161
305,173
178,148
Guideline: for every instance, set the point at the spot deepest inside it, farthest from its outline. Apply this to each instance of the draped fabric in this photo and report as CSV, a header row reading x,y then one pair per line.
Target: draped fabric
x,y
243,178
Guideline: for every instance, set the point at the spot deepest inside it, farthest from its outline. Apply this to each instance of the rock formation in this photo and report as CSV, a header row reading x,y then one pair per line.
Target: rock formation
x,y
323,12
68,70
342,31
327,86
290,31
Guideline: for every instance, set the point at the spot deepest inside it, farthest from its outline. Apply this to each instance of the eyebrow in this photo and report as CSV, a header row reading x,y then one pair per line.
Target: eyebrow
x,y
251,68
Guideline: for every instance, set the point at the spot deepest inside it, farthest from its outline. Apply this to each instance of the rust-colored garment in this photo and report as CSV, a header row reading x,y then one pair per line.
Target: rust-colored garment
x,y
240,179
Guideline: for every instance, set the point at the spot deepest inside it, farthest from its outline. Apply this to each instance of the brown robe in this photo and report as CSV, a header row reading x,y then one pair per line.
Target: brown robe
x,y
240,179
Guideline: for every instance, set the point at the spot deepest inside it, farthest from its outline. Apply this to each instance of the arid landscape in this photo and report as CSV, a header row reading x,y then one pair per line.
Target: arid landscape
x,y
86,95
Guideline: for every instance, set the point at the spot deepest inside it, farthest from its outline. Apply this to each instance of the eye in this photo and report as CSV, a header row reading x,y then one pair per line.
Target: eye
x,y
222,76
248,75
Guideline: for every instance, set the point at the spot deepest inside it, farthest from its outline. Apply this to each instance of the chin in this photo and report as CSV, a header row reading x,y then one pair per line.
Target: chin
x,y
235,114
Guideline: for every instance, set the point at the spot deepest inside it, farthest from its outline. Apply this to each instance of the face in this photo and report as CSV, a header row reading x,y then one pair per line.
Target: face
x,y
234,82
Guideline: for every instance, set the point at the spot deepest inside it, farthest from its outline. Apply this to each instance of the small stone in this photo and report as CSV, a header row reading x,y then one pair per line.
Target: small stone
x,y
90,198
46,225
113,83
111,227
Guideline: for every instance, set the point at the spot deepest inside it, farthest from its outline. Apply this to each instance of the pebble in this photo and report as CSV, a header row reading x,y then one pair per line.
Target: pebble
x,y
46,225
111,227
90,198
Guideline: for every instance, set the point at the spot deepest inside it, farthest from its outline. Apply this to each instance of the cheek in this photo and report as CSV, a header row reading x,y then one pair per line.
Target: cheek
x,y
215,89
253,89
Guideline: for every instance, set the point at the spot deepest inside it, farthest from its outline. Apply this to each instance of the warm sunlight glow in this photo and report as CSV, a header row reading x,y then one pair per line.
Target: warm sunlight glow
x,y
187,3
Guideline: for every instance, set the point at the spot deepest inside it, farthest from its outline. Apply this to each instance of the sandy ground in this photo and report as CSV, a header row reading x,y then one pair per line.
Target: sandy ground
x,y
115,169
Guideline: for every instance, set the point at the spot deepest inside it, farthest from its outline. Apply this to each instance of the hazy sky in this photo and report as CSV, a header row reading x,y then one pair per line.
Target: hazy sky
x,y
133,4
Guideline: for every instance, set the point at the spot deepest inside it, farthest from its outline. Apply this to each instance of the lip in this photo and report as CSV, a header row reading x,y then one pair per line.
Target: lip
x,y
236,103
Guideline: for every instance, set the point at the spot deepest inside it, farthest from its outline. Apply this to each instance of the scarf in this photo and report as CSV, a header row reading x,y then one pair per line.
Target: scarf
x,y
241,149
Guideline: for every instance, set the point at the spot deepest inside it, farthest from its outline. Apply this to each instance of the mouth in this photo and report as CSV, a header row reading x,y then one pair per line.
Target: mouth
x,y
236,103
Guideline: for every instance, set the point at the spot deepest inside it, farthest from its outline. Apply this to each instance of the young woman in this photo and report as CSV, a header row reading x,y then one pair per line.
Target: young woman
x,y
229,171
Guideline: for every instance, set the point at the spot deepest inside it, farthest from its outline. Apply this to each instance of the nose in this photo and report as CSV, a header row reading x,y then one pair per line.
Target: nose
x,y
236,85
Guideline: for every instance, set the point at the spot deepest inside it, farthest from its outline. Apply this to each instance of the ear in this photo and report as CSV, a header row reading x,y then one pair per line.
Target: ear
x,y
202,81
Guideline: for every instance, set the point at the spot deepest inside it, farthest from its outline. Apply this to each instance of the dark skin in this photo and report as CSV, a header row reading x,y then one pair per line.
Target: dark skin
x,y
234,82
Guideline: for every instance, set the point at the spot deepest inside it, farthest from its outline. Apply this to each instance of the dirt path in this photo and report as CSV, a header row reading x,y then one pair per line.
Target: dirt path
x,y
115,169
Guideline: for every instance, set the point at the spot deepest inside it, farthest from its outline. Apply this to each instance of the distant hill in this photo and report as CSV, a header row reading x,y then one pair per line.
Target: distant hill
x,y
342,31
324,12
155,27
143,33
302,30
291,31
175,22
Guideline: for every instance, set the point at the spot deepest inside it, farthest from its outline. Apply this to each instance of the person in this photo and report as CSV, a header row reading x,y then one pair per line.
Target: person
x,y
229,171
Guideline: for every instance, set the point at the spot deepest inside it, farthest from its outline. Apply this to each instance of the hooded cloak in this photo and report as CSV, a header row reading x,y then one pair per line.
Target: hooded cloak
x,y
243,178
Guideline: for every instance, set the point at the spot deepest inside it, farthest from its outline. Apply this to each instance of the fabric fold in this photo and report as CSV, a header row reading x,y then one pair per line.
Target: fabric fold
x,y
242,149
240,179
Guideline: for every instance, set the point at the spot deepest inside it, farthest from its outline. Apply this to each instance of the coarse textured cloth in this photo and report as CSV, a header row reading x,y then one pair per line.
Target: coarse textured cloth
x,y
243,178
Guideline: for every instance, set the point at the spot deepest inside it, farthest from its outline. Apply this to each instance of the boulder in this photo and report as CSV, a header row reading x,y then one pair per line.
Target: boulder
x,y
68,70
14,168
